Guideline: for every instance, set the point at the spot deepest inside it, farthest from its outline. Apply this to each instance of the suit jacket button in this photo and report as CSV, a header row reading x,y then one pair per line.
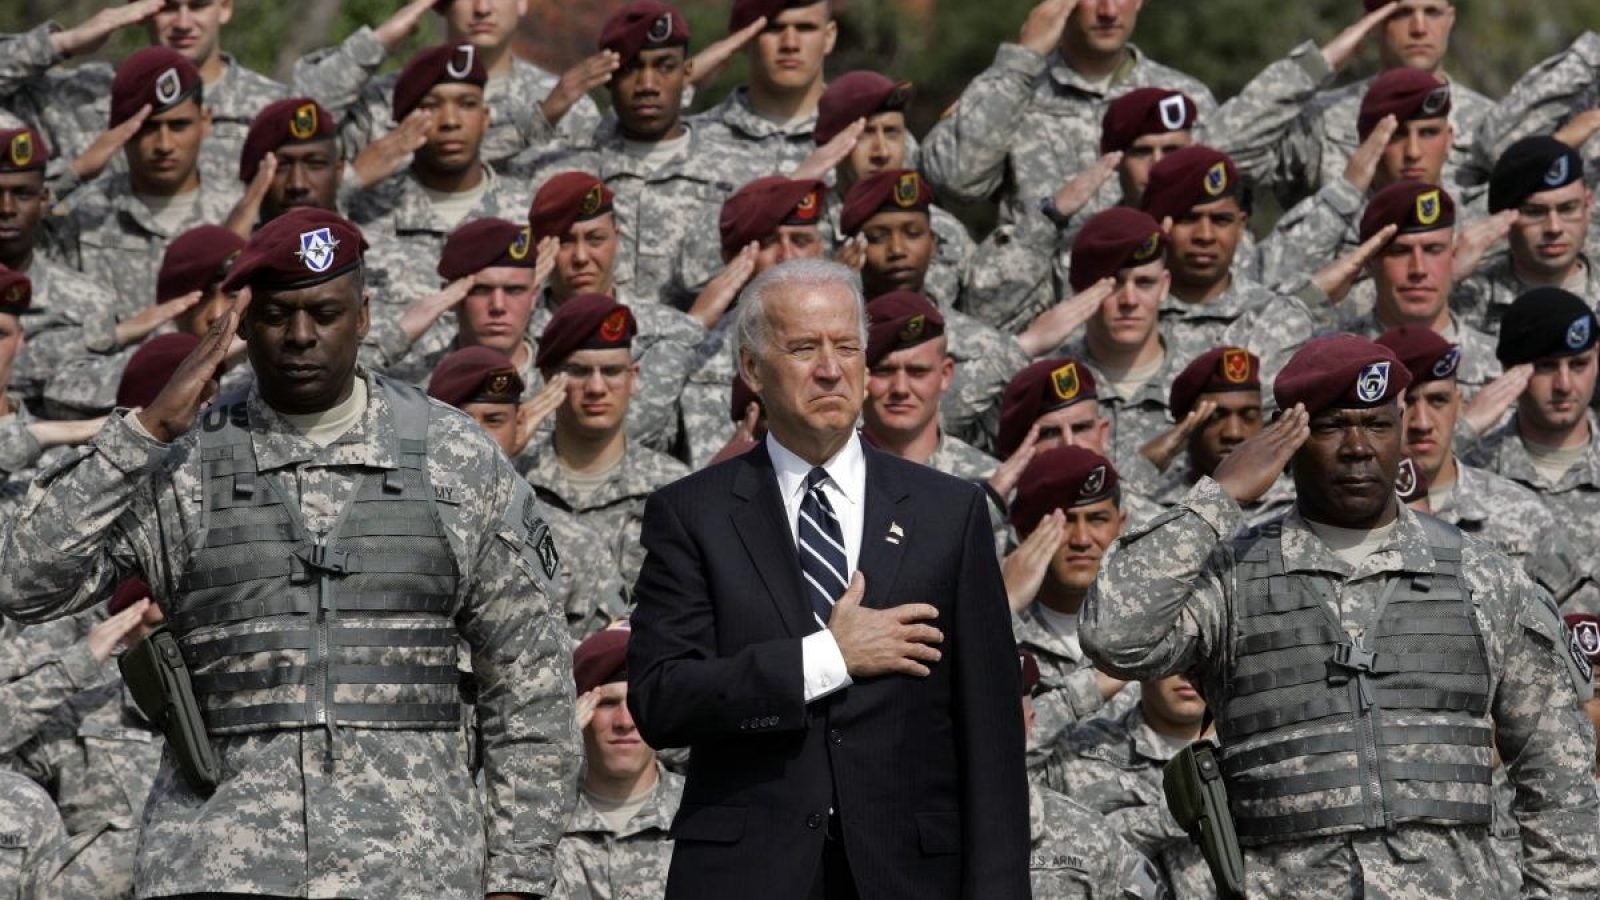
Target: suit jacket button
x,y
814,821
835,736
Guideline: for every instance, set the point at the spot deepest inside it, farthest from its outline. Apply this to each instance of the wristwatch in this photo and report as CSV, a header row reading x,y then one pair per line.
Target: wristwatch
x,y
1047,206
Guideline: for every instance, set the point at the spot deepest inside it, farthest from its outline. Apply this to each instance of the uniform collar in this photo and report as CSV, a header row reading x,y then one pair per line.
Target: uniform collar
x,y
1067,77
1406,549
655,815
279,445
736,112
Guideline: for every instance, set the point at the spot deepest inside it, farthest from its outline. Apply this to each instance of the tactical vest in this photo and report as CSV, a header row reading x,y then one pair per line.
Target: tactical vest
x,y
1324,735
284,630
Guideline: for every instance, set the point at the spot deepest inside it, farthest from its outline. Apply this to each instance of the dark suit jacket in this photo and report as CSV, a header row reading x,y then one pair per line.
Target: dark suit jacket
x,y
926,774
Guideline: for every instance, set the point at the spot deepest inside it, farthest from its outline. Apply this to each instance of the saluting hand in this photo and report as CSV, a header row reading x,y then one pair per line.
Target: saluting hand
x,y
246,213
1252,467
421,315
1007,474
708,62
577,81
822,160
1363,163
1045,25
93,33
1336,277
94,159
891,641
1051,328
1082,187
142,324
1166,446
391,153
537,408
1489,405
195,381
1339,51
393,32
1579,129
720,292
1025,567
1474,240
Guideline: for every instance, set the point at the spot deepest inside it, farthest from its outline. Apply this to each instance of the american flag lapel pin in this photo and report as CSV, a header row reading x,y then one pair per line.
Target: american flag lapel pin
x,y
895,533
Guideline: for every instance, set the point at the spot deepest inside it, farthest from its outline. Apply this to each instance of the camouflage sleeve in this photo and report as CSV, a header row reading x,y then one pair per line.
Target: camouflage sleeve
x,y
1547,744
26,56
87,385
965,154
82,527
18,448
522,659
1136,877
1257,127
29,700
336,76
1310,235
1009,281
1542,100
985,360
666,358
1159,604
30,857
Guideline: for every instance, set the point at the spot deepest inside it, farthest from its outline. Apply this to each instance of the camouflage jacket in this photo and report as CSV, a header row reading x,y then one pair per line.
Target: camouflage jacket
x,y
33,840
1482,298
345,80
1542,100
283,820
1136,420
1075,857
1028,123
71,318
1163,603
749,146
706,403
985,360
1070,692
1478,365
1114,766
595,863
41,668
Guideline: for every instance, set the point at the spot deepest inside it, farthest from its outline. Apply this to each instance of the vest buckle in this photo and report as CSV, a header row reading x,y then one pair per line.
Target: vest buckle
x,y
1354,660
326,559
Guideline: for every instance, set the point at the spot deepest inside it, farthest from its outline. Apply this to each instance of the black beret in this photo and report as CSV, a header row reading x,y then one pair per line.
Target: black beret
x,y
1531,166
1543,323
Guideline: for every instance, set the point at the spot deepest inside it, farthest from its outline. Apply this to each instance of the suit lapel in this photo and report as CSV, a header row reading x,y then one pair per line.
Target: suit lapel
x,y
759,522
886,529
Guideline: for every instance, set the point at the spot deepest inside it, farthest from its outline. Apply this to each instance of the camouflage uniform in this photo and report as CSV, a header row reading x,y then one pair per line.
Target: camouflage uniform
x,y
616,510
1542,100
1070,692
959,458
1274,503
1074,857
1137,420
1478,365
1114,766
1481,299
592,593
985,360
298,810
41,668
1166,602
707,397
342,79
1266,322
595,863
750,146
32,840
72,317
657,210
1028,123
71,107
946,279
98,757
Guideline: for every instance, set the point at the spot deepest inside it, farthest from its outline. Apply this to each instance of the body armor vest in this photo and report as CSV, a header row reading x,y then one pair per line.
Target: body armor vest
x,y
283,629
1323,734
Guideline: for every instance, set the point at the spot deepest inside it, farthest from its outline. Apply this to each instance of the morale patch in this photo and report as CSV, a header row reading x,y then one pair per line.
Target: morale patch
x,y
906,189
448,493
1236,365
317,249
460,64
1556,175
592,200
303,124
1578,332
1436,101
168,87
1448,363
21,150
1405,480
1373,382
519,247
1065,381
1147,250
611,329
660,29
1174,113
1216,180
1094,482
913,328
1428,207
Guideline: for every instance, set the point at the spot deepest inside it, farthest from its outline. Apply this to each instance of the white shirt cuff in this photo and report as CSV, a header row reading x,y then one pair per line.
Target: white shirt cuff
x,y
823,665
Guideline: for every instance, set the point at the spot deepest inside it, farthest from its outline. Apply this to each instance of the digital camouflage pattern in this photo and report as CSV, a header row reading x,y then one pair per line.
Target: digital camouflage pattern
x,y
1478,365
750,145
31,843
595,863
985,360
41,668
1542,100
1163,602
1074,856
1481,299
287,818
72,318
1070,692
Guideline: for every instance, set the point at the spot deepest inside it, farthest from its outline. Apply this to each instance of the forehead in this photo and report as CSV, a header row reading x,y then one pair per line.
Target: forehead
x,y
799,308
1442,387
33,178
887,119
454,91
1405,6
1563,194
1338,416
10,322
1568,360
1419,126
815,14
1217,207
482,409
1152,269
658,56
794,231
1092,509
504,276
1083,411
896,220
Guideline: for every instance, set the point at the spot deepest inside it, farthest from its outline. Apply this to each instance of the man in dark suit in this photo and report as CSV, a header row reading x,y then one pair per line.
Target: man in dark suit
x,y
826,627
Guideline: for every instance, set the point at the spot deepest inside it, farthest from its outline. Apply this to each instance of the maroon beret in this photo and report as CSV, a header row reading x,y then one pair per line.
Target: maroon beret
x,y
159,76
151,367
743,396
297,120
127,594
564,201
895,190
23,150
900,319
643,25
1585,634
747,11
16,292
1414,206
298,249
444,64
475,375
1215,371
1187,178
1406,94
1061,478
857,95
602,658
1145,111
1344,371
755,211
194,259
1040,388
482,243
585,322
1030,672
1119,238
1424,352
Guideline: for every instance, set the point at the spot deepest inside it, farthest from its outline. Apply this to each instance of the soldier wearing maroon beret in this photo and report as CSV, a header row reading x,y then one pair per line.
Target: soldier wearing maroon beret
x,y
858,95
302,138
1113,241
893,191
1038,393
152,366
780,214
197,261
643,25
1145,125
484,384
22,150
16,292
1224,385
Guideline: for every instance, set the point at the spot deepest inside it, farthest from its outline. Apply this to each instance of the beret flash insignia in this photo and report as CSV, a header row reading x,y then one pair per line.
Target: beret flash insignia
x,y
1065,381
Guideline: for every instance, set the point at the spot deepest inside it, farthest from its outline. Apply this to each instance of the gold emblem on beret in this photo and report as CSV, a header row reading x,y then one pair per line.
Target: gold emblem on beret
x,y
16,295
21,149
614,325
303,124
519,247
906,189
498,384
1147,250
1217,179
1065,381
592,200
1428,207
1236,365
913,328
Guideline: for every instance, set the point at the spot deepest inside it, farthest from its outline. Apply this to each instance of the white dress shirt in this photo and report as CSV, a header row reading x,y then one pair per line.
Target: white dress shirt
x,y
846,490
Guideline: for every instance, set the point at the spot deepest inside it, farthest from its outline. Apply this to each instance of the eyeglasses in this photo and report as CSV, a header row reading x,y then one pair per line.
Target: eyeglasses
x,y
1570,211
613,374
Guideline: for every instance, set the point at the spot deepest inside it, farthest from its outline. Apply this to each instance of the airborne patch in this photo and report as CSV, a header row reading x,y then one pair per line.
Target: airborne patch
x,y
1236,365
1065,381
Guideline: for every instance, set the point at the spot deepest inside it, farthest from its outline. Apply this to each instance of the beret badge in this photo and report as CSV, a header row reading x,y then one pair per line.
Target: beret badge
x,y
317,248
592,200
1174,114
660,29
1578,331
1436,101
1446,365
611,329
168,86
1558,172
1405,479
1065,381
460,64
1373,382
21,149
1428,208
1147,250
1093,482
1236,365
303,124
913,328
906,189
1216,180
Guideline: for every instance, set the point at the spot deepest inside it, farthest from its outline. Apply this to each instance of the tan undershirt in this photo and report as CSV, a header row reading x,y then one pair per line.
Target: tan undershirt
x,y
1130,382
1353,545
618,813
453,208
585,486
325,427
171,213
1553,463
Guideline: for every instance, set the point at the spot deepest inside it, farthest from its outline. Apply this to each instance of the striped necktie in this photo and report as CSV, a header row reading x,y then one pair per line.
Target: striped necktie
x,y
823,565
